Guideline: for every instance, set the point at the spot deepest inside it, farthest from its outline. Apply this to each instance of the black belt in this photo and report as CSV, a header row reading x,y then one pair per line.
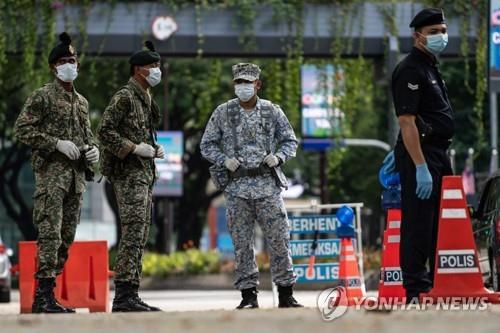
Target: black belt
x,y
255,172
437,143
58,156
432,142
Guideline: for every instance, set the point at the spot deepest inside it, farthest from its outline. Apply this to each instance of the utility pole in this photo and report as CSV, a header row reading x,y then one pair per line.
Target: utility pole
x,y
323,176
392,60
165,226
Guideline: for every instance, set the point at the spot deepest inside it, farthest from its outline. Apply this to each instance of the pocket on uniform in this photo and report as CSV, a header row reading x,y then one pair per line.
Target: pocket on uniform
x,y
39,205
277,205
219,176
131,121
37,162
135,193
58,120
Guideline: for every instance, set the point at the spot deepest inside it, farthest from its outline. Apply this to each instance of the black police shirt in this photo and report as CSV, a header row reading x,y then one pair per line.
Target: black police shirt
x,y
418,89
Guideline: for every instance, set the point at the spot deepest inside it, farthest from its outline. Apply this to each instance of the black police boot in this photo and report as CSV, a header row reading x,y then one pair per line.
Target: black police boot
x,y
45,301
135,289
249,300
125,300
286,300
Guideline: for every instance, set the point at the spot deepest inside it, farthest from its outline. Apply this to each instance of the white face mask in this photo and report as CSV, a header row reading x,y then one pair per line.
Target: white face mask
x,y
154,76
67,72
244,91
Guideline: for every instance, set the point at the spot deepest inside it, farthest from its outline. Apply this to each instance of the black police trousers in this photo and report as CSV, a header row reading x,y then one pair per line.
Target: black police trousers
x,y
420,218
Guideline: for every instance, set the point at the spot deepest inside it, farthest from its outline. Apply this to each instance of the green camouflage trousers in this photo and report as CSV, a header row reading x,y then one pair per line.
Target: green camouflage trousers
x,y
270,213
56,214
134,204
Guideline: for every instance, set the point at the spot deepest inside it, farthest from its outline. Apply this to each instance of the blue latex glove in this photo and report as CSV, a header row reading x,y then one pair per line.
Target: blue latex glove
x,y
424,182
388,164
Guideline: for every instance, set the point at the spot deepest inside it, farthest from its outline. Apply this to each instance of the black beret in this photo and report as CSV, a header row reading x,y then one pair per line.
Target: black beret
x,y
63,49
146,56
428,16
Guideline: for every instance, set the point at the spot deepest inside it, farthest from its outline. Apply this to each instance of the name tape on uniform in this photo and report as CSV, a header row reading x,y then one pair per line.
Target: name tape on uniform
x,y
309,224
392,276
457,261
328,272
325,248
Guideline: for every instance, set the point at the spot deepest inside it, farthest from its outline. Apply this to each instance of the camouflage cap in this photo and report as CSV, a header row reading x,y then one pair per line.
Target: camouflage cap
x,y
246,71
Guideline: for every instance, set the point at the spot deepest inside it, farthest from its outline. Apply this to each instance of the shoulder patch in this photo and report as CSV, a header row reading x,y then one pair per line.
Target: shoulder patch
x,y
412,86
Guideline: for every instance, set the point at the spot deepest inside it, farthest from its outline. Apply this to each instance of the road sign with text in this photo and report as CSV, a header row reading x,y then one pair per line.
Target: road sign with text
x,y
327,272
325,248
309,224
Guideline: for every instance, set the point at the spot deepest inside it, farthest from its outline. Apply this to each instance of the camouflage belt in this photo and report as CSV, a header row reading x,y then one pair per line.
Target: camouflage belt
x,y
255,172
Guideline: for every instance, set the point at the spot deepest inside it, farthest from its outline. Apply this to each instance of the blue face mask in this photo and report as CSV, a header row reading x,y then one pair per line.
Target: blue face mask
x,y
436,43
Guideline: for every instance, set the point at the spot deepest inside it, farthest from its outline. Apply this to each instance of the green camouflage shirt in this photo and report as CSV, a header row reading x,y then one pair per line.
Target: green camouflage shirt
x,y
128,120
51,114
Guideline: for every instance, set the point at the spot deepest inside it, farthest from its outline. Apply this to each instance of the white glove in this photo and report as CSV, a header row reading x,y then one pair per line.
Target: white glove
x,y
160,152
144,150
92,155
232,164
271,160
68,148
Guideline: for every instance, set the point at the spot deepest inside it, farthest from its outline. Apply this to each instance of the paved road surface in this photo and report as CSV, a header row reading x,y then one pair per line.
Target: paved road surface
x,y
190,300
188,311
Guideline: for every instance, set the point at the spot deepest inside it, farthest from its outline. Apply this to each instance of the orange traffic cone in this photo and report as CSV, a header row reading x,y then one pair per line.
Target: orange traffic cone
x,y
457,272
391,278
349,276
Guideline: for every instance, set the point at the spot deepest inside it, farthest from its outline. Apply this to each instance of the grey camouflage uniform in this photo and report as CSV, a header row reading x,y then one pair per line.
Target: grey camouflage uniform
x,y
250,199
49,114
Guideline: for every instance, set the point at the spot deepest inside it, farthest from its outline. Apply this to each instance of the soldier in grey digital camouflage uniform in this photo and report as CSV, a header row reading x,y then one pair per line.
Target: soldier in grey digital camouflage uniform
x,y
248,139
55,123
128,138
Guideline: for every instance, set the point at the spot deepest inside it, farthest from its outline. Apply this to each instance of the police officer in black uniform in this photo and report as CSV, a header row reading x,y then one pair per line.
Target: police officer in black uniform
x,y
426,120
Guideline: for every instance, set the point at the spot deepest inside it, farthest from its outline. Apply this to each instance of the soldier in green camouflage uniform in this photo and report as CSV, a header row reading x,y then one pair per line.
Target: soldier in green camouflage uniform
x,y
55,123
127,135
250,138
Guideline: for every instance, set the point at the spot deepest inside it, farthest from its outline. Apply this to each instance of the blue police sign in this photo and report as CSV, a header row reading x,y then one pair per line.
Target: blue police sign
x,y
325,248
309,224
328,272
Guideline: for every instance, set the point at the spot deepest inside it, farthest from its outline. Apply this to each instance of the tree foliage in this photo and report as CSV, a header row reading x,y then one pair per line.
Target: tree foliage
x,y
197,86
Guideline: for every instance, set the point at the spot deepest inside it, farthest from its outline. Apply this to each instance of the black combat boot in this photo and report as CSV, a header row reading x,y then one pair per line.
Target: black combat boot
x,y
286,300
125,300
45,301
249,300
135,289
68,310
